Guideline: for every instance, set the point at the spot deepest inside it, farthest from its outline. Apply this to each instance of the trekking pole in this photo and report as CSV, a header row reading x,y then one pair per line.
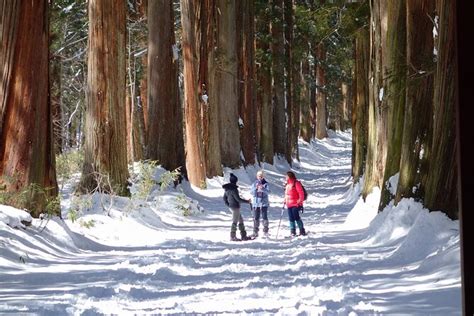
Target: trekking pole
x,y
281,216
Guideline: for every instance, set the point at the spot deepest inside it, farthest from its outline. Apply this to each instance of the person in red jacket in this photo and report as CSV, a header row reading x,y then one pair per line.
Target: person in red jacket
x,y
294,197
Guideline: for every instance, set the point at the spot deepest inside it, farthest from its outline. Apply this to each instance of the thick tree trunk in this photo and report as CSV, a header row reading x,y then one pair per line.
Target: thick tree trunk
x,y
376,135
441,184
289,86
165,130
321,113
278,93
245,49
105,145
395,87
207,75
27,163
419,93
8,33
226,81
191,43
361,103
264,98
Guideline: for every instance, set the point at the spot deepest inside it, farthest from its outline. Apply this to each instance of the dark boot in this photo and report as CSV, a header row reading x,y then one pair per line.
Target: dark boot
x,y
301,228
233,231
243,233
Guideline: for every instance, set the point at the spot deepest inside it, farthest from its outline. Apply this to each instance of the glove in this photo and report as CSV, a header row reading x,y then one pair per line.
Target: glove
x,y
301,209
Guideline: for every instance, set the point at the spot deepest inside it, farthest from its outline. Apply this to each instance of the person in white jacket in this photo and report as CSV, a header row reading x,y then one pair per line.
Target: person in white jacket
x,y
260,203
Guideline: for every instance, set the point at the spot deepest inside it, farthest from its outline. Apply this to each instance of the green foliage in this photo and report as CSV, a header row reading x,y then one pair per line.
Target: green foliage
x,y
169,177
68,164
87,224
146,179
28,196
183,205
73,215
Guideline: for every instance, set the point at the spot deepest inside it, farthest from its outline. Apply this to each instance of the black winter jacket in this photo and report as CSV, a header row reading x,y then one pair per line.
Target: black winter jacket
x,y
231,196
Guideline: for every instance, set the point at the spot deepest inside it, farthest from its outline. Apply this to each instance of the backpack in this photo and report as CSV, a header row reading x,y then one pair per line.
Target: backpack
x,y
305,193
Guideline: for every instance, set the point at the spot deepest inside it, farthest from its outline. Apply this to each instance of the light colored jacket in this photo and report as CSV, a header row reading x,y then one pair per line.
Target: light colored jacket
x,y
260,193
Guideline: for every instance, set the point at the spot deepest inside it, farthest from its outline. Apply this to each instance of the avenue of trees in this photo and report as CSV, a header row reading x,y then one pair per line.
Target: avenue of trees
x,y
206,84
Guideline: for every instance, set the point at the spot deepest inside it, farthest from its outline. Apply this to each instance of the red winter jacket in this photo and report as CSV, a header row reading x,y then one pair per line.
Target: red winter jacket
x,y
294,195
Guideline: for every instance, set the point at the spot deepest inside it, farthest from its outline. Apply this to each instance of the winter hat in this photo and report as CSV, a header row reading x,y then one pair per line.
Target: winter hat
x,y
259,173
233,178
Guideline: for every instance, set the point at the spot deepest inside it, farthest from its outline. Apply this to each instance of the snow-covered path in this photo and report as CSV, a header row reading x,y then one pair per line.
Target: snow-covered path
x,y
154,261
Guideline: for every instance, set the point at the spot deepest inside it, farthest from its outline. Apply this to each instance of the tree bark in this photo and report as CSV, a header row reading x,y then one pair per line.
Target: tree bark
x,y
419,93
264,98
8,32
395,87
278,93
165,129
27,161
361,103
289,84
321,112
226,84
305,112
191,43
245,50
440,187
105,152
376,135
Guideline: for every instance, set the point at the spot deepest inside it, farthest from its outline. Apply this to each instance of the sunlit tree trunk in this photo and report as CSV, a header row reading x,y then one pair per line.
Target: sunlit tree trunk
x,y
345,106
226,84
419,94
395,90
210,107
191,43
441,184
165,129
105,145
377,112
27,163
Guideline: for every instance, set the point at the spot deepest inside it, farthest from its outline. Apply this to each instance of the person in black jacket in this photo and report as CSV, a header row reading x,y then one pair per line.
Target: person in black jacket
x,y
232,199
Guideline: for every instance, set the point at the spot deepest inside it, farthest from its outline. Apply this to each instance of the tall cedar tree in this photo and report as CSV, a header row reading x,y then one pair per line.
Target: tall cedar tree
x,y
278,72
27,162
226,83
209,92
165,126
376,137
361,103
440,188
264,79
419,92
191,42
289,85
105,152
394,90
245,73
321,110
